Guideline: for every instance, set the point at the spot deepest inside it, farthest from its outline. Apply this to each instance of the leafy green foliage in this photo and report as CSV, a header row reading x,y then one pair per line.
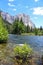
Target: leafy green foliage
x,y
23,51
23,54
3,31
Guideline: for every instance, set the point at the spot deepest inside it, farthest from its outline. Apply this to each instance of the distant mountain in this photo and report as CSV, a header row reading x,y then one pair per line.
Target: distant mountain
x,y
7,17
10,19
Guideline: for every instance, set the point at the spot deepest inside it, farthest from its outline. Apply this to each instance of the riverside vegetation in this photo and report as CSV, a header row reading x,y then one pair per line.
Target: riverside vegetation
x,y
23,54
3,31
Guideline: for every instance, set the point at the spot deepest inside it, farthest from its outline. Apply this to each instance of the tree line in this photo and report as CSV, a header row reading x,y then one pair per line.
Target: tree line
x,y
18,27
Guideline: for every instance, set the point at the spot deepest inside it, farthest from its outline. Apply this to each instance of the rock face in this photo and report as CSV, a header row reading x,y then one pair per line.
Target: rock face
x,y
25,18
7,17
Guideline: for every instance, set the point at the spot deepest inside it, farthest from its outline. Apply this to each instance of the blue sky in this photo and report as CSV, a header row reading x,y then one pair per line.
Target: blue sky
x,y
33,8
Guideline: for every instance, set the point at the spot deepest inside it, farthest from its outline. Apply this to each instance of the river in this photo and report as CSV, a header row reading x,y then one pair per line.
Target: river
x,y
35,41
6,49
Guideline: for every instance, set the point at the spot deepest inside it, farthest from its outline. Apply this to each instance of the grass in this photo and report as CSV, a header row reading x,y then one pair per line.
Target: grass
x,y
40,33
28,34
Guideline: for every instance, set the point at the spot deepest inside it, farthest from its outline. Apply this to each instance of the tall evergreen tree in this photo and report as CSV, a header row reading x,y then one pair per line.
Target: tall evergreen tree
x,y
18,27
41,28
28,29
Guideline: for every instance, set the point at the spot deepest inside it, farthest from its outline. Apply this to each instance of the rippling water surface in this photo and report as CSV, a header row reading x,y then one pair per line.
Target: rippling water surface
x,y
35,41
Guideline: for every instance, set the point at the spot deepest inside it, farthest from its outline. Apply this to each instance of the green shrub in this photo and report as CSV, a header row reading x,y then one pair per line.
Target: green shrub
x,y
3,32
23,51
23,54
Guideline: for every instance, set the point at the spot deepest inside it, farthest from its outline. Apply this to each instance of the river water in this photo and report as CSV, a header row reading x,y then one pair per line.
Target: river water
x,y
35,41
6,49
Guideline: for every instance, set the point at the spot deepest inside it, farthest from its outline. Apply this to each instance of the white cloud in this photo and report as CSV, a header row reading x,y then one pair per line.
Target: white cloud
x,y
14,9
12,5
36,0
38,11
11,0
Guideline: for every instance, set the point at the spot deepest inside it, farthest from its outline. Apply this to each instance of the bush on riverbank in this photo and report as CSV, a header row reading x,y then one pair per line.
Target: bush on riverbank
x,y
3,31
23,54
